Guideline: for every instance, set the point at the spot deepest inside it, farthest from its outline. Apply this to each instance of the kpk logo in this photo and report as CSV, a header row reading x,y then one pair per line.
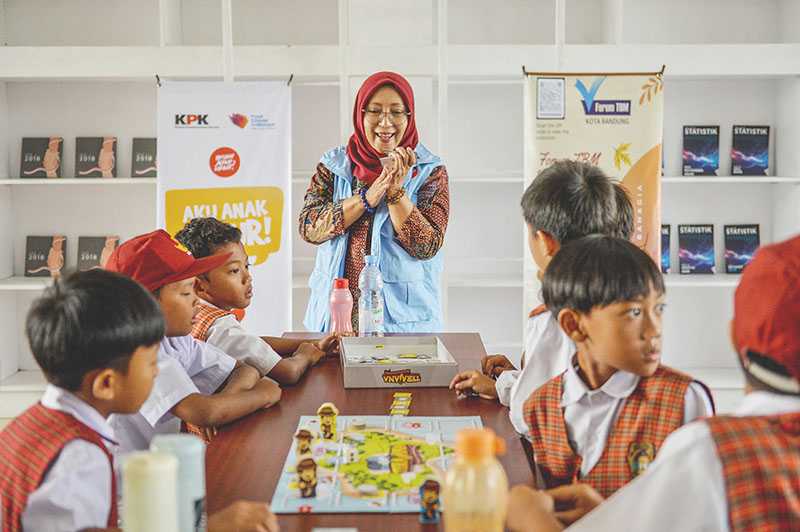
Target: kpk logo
x,y
592,106
224,161
192,120
402,376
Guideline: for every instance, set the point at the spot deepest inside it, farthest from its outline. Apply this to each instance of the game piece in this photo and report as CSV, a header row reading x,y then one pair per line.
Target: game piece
x,y
399,411
429,502
379,346
378,469
303,438
327,413
402,394
307,477
407,355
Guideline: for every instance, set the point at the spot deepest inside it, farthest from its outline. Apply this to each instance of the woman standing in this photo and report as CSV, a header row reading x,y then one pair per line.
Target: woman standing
x,y
355,206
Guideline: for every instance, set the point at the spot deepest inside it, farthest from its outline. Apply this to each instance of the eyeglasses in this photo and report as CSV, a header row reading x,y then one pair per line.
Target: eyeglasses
x,y
395,116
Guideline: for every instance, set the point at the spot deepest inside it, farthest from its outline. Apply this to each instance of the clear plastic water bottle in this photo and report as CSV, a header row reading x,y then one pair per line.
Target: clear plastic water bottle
x,y
370,304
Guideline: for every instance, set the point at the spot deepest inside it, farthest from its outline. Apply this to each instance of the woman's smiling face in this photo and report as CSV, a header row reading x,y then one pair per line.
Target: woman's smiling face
x,y
385,119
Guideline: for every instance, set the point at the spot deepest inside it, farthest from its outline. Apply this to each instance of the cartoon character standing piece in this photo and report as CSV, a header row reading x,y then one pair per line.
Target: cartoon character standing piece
x,y
303,439
429,502
327,413
307,477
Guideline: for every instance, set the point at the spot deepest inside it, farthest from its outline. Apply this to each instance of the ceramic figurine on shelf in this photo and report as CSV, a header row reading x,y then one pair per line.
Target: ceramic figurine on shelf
x,y
307,477
327,413
429,502
303,439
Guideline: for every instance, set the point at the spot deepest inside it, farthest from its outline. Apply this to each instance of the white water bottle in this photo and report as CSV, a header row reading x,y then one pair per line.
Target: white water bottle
x,y
370,304
190,452
150,493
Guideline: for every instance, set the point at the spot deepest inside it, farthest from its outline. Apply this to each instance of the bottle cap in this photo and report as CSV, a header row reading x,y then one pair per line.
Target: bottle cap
x,y
339,284
476,444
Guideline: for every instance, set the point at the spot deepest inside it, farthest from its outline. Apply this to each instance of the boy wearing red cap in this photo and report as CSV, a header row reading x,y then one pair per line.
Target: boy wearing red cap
x,y
190,372
739,472
230,286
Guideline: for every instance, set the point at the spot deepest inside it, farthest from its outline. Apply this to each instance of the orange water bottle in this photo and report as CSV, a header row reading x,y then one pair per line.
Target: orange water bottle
x,y
475,492
341,307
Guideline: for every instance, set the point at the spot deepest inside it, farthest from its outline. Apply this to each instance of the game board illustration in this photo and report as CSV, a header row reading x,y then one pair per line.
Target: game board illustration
x,y
371,463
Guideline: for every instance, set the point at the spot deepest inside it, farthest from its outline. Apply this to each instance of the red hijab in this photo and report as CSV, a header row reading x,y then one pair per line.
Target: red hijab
x,y
366,159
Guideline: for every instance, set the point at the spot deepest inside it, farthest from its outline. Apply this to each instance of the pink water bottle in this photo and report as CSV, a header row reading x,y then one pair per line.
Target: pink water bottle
x,y
341,307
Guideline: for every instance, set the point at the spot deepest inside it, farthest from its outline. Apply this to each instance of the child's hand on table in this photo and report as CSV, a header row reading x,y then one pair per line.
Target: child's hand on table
x,y
472,381
328,344
493,365
573,501
310,350
529,510
244,516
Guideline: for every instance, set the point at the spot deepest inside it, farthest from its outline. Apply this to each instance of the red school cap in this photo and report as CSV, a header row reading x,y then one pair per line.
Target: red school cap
x,y
156,259
766,316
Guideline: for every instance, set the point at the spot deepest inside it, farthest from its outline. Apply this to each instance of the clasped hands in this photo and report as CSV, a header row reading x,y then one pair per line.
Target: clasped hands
x,y
392,176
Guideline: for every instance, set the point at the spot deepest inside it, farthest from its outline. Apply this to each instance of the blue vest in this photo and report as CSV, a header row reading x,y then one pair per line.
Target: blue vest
x,y
411,287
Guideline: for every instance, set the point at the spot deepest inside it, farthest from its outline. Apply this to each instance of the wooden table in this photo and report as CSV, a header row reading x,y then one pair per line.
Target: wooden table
x,y
245,460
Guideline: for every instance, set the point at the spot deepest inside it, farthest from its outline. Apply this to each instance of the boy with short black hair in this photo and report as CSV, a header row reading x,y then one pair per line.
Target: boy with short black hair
x,y
197,383
738,472
95,335
567,200
230,286
603,420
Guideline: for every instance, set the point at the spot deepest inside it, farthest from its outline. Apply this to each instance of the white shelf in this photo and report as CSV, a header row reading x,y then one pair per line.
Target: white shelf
x,y
701,280
681,60
723,180
80,181
486,180
24,381
465,62
484,281
25,283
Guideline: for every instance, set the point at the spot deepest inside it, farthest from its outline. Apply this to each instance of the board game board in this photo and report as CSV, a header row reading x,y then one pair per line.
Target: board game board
x,y
373,464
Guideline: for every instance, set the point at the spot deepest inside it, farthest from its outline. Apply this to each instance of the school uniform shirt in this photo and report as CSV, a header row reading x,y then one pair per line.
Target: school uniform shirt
x,y
684,487
76,491
589,415
221,329
185,366
547,353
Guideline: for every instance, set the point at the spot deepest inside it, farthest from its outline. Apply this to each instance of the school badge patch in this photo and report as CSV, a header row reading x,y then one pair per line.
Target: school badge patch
x,y
640,455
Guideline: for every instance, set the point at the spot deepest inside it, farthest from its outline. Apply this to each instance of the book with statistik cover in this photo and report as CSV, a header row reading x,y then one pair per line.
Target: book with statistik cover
x,y
665,234
696,248
741,242
750,150
700,150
